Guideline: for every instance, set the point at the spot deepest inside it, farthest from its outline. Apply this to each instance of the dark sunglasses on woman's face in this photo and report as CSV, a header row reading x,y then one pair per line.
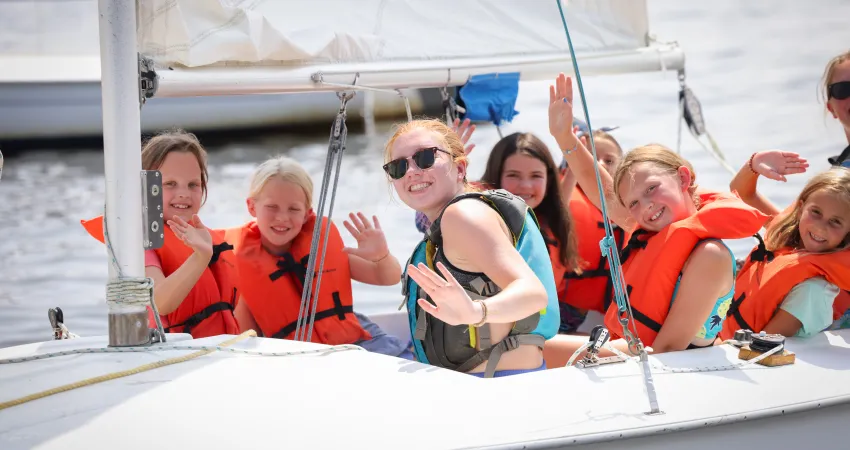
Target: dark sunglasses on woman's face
x,y
840,90
424,159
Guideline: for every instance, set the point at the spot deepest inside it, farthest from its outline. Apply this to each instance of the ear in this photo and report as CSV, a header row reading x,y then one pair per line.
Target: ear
x,y
686,178
252,207
831,111
461,170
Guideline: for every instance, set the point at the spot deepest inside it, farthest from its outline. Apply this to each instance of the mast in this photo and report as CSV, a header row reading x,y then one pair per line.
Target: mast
x,y
128,321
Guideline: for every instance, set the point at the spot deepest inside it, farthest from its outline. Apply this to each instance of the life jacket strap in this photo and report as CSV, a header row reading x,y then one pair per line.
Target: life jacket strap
x,y
339,310
217,250
493,354
288,264
735,312
761,254
204,314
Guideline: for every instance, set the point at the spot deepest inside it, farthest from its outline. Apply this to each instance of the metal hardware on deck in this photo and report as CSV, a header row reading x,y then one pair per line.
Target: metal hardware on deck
x,y
148,80
57,319
152,210
598,338
1,164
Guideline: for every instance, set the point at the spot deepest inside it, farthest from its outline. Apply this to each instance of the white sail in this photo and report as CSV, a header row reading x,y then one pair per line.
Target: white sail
x,y
389,43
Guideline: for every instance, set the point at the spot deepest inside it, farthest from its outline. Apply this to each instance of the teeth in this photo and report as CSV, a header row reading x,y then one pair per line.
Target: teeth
x,y
180,206
280,229
656,215
816,238
418,187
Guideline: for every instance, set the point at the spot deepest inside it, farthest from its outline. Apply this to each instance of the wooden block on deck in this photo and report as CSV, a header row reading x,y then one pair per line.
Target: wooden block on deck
x,y
782,358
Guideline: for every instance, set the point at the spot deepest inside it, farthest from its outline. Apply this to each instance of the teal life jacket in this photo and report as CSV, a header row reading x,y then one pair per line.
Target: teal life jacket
x,y
453,347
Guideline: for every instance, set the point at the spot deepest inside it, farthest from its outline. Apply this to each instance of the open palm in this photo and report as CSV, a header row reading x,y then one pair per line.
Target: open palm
x,y
452,304
371,243
194,235
775,164
561,111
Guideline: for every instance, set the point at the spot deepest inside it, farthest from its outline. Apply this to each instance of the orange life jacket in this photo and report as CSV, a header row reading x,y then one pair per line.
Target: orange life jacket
x,y
767,277
592,289
652,263
552,246
208,308
272,285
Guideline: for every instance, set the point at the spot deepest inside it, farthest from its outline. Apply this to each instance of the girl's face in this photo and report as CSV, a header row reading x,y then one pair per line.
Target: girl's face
x,y
281,210
525,176
427,190
607,154
656,198
840,109
824,221
181,185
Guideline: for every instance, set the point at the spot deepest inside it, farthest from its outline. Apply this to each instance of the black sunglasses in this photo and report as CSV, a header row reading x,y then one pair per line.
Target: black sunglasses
x,y
839,91
424,159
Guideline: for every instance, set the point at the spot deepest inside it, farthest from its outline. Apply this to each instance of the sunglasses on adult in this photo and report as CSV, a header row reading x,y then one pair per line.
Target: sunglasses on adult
x,y
424,159
839,91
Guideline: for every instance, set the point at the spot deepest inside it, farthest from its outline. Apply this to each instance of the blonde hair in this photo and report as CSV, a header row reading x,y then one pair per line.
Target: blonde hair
x,y
287,169
784,232
660,157
449,141
157,148
829,72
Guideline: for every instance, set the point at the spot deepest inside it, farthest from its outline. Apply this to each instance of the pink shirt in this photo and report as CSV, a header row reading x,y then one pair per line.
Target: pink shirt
x,y
152,259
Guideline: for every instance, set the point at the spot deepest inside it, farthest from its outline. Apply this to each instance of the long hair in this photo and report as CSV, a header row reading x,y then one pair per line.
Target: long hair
x,y
784,232
552,210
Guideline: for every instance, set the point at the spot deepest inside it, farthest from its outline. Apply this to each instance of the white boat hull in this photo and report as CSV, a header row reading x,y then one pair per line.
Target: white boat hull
x,y
356,399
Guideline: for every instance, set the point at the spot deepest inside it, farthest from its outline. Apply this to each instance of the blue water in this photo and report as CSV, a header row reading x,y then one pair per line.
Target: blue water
x,y
754,65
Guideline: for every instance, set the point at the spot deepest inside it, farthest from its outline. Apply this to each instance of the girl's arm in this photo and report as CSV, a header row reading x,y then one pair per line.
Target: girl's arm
x,y
244,317
579,159
773,164
476,239
707,276
170,291
371,262
385,271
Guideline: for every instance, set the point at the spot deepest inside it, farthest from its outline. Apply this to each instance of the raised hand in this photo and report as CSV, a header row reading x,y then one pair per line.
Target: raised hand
x,y
371,243
775,164
194,235
464,131
561,112
453,305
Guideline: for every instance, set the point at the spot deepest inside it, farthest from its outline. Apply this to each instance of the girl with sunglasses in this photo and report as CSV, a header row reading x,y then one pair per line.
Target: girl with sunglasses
x,y
479,288
836,91
522,164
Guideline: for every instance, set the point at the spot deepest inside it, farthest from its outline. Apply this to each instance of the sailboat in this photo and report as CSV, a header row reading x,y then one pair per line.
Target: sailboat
x,y
50,85
138,388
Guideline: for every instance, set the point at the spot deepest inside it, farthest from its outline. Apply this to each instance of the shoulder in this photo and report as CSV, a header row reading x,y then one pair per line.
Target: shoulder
x,y
470,217
711,257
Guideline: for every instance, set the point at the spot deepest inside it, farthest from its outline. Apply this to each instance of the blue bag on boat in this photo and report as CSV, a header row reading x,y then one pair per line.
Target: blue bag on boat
x,y
490,97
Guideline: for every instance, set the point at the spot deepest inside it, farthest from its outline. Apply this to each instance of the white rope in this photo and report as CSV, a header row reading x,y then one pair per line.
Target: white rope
x,y
578,352
98,350
129,291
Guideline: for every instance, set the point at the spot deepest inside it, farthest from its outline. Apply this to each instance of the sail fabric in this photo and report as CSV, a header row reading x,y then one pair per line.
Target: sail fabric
x,y
196,33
